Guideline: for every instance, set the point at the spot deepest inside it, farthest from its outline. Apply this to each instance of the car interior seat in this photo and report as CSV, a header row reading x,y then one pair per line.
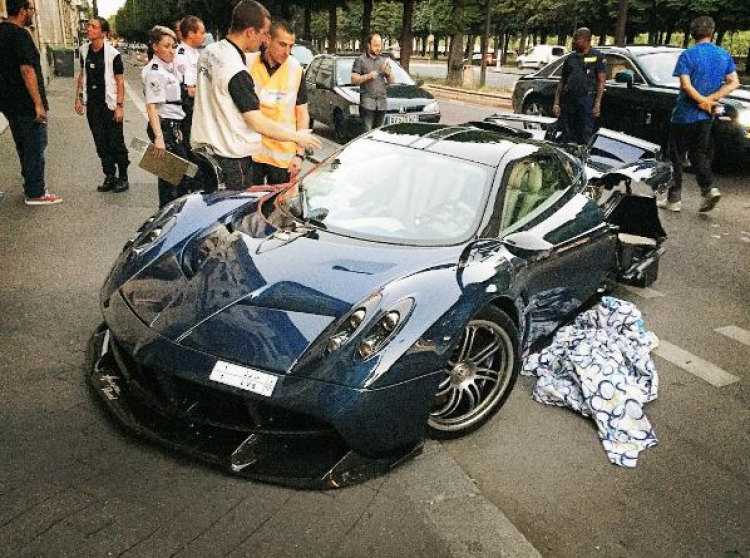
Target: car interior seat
x,y
531,190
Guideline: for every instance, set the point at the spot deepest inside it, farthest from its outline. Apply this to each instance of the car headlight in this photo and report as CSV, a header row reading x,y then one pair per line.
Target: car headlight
x,y
743,117
384,328
431,108
153,228
351,324
354,110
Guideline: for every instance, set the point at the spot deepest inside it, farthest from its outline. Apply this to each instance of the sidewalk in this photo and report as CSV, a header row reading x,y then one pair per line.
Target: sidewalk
x,y
72,484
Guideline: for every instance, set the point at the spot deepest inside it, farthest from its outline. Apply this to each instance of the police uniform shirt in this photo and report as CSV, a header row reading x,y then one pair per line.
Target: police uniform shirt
x,y
94,68
579,74
186,64
162,88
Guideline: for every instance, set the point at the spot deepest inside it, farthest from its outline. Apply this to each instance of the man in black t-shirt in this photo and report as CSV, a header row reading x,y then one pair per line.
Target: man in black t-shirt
x,y
23,99
579,94
101,94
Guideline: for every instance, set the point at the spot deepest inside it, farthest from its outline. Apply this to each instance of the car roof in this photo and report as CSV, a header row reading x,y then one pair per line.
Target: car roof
x,y
466,141
637,50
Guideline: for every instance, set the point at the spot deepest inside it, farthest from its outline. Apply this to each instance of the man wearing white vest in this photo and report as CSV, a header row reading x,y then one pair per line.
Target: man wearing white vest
x,y
280,87
227,116
101,95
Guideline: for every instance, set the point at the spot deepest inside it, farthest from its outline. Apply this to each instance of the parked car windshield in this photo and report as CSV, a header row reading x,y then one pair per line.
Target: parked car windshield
x,y
344,72
659,67
379,191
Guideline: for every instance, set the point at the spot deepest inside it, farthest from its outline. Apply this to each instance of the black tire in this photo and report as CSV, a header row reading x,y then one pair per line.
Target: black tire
x,y
465,399
534,105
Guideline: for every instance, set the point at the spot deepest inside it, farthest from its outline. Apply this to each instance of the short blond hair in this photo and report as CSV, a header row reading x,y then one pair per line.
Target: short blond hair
x,y
158,32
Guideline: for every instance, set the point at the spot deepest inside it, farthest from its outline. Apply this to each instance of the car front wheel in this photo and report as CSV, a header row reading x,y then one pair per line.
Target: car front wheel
x,y
479,377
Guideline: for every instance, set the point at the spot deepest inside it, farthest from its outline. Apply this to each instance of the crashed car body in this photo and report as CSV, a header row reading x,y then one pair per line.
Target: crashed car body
x,y
313,334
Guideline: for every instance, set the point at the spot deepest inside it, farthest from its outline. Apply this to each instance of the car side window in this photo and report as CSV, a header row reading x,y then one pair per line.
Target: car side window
x,y
617,63
532,183
555,69
325,73
312,71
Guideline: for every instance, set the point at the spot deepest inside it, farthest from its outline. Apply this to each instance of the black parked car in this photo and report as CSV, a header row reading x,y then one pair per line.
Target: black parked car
x,y
334,101
639,98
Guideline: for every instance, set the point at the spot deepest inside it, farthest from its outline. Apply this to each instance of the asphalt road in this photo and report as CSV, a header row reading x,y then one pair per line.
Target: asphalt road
x,y
494,78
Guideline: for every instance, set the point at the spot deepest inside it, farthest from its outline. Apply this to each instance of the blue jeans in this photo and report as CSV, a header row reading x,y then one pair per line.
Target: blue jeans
x,y
31,141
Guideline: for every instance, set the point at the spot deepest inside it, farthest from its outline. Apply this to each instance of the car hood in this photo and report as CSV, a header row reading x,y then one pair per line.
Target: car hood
x,y
399,95
263,299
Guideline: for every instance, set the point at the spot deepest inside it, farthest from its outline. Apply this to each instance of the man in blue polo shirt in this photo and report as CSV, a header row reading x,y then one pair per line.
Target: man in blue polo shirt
x,y
707,73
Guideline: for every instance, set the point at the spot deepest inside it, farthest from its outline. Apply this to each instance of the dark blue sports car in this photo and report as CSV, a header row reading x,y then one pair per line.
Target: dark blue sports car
x,y
313,334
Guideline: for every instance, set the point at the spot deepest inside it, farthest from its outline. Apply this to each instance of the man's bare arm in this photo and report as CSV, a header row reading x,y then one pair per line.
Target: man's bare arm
x,y
267,127
32,86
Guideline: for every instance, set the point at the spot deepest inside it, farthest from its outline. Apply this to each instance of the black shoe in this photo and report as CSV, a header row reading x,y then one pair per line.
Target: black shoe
x,y
109,183
121,185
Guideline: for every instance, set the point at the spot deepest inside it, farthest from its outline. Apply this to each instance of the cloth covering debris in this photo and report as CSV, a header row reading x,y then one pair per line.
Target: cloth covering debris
x,y
601,367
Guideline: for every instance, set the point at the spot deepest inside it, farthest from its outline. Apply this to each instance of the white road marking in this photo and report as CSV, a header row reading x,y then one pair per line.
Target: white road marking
x,y
695,365
136,98
644,292
736,333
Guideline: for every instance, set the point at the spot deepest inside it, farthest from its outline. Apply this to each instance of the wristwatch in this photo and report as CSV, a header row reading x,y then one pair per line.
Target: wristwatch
x,y
301,157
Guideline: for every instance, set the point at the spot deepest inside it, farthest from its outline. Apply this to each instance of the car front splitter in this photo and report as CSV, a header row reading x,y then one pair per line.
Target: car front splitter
x,y
319,460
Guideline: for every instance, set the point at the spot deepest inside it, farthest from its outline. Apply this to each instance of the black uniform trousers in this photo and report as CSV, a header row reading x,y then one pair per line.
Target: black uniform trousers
x,y
694,140
108,139
171,130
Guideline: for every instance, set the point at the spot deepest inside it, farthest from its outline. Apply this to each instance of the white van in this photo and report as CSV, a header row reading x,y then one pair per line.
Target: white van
x,y
540,56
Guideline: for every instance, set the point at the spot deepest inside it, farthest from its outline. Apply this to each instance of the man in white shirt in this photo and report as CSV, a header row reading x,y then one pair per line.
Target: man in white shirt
x,y
193,33
227,116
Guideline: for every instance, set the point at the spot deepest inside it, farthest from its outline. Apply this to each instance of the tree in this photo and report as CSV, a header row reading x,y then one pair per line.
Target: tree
x,y
455,56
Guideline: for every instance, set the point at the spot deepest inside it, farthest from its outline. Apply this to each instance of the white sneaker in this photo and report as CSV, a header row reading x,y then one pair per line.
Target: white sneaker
x,y
709,201
669,206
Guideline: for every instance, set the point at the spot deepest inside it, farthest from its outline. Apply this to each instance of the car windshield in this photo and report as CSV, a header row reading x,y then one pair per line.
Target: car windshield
x,y
659,67
344,72
303,54
383,192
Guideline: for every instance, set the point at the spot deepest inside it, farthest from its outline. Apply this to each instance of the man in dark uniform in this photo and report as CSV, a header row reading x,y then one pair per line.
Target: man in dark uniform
x,y
578,98
101,94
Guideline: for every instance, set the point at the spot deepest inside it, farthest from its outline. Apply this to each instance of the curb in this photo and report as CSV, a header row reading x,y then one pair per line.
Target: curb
x,y
438,485
476,97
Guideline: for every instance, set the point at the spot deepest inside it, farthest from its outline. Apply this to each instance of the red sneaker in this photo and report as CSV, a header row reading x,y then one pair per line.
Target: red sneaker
x,y
47,199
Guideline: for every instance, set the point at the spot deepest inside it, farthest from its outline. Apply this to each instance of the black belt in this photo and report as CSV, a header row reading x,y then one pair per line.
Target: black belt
x,y
173,102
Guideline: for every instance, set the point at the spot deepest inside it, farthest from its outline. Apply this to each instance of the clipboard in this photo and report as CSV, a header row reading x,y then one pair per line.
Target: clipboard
x,y
170,167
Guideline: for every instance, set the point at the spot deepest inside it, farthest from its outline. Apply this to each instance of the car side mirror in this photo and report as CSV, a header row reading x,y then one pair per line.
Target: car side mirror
x,y
526,244
625,76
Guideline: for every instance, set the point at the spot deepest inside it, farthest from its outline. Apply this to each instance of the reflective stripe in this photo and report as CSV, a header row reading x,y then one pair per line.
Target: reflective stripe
x,y
278,100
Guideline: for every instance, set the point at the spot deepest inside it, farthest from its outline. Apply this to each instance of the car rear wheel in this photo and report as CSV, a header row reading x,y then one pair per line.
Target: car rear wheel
x,y
479,377
534,106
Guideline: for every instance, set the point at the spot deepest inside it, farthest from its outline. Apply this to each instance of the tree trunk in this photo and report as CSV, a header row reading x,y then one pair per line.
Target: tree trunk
x,y
747,62
406,34
286,12
622,20
307,29
469,47
332,28
562,38
455,56
668,36
483,48
720,33
366,21
686,37
603,37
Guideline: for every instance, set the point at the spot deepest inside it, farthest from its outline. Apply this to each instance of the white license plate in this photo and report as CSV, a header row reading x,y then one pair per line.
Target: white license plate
x,y
401,118
243,378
